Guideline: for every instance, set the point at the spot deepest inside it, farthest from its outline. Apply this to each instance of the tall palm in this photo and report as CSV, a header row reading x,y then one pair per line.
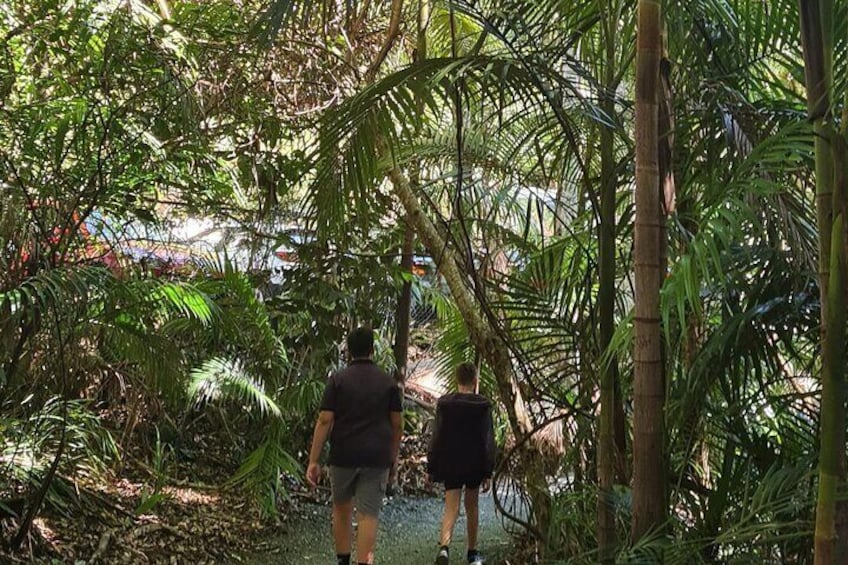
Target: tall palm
x,y
649,486
818,20
611,425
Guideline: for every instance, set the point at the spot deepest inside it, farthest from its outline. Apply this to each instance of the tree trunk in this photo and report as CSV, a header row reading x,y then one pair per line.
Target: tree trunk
x,y
490,346
649,469
481,331
830,546
392,34
404,306
817,41
607,449
402,317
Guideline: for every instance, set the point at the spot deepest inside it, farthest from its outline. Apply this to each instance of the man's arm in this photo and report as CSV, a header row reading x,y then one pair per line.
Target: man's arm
x,y
322,430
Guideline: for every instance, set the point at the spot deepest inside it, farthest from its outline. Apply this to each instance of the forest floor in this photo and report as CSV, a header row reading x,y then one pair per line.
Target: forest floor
x,y
105,522
199,524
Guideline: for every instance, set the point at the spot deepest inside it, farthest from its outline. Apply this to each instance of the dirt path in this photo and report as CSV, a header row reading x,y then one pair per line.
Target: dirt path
x,y
408,535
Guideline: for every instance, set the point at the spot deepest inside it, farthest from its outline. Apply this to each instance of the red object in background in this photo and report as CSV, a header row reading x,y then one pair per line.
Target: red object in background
x,y
290,256
91,251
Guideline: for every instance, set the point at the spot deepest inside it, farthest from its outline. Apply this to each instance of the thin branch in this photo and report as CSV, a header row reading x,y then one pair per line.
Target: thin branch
x,y
393,34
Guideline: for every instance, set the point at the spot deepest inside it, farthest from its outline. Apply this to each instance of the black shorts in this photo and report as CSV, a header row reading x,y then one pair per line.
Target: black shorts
x,y
456,483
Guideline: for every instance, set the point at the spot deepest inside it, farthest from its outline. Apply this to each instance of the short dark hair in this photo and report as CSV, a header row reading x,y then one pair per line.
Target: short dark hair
x,y
466,373
360,342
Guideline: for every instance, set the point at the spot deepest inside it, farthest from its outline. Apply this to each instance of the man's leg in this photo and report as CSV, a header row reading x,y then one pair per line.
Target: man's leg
x,y
342,530
366,538
472,497
343,482
369,500
450,515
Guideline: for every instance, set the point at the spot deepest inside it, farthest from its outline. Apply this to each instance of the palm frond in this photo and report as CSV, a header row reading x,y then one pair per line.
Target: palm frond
x,y
347,166
260,472
225,380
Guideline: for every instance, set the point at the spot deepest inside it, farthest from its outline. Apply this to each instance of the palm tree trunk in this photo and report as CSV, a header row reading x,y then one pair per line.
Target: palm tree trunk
x,y
607,449
392,34
830,546
402,317
817,41
404,306
649,485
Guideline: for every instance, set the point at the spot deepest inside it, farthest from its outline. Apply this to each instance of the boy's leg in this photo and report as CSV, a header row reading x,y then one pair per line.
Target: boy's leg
x,y
451,513
342,530
369,499
472,518
343,484
366,538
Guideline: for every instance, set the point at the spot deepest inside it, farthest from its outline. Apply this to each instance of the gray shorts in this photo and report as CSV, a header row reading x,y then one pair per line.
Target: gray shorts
x,y
367,484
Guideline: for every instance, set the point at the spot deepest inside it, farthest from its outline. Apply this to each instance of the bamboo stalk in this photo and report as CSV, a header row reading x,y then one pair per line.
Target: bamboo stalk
x,y
817,42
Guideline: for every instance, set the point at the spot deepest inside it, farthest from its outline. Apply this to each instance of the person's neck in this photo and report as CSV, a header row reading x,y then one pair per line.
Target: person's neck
x,y
366,358
465,389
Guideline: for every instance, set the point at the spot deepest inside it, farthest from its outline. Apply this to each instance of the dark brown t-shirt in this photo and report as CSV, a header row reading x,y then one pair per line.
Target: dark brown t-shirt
x,y
361,397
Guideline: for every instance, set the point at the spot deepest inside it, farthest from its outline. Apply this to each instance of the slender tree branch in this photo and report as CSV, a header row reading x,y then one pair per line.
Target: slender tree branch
x,y
391,36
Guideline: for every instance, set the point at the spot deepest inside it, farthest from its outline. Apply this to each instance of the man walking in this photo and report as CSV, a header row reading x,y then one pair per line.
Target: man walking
x,y
361,414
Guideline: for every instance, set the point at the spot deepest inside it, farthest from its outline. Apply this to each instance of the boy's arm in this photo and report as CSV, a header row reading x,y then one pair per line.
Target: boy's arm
x,y
396,418
434,438
322,429
397,433
489,430
323,425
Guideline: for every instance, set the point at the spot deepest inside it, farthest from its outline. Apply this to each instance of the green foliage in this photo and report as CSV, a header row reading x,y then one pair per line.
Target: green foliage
x,y
261,470
255,114
151,497
31,440
220,378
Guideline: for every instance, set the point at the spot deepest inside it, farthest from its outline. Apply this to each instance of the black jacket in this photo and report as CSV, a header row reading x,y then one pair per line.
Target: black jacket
x,y
463,442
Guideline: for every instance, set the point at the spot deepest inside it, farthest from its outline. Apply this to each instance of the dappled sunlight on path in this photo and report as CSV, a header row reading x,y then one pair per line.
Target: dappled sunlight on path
x,y
408,535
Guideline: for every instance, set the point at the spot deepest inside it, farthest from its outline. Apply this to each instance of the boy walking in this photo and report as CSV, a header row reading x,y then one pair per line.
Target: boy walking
x,y
361,414
462,454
